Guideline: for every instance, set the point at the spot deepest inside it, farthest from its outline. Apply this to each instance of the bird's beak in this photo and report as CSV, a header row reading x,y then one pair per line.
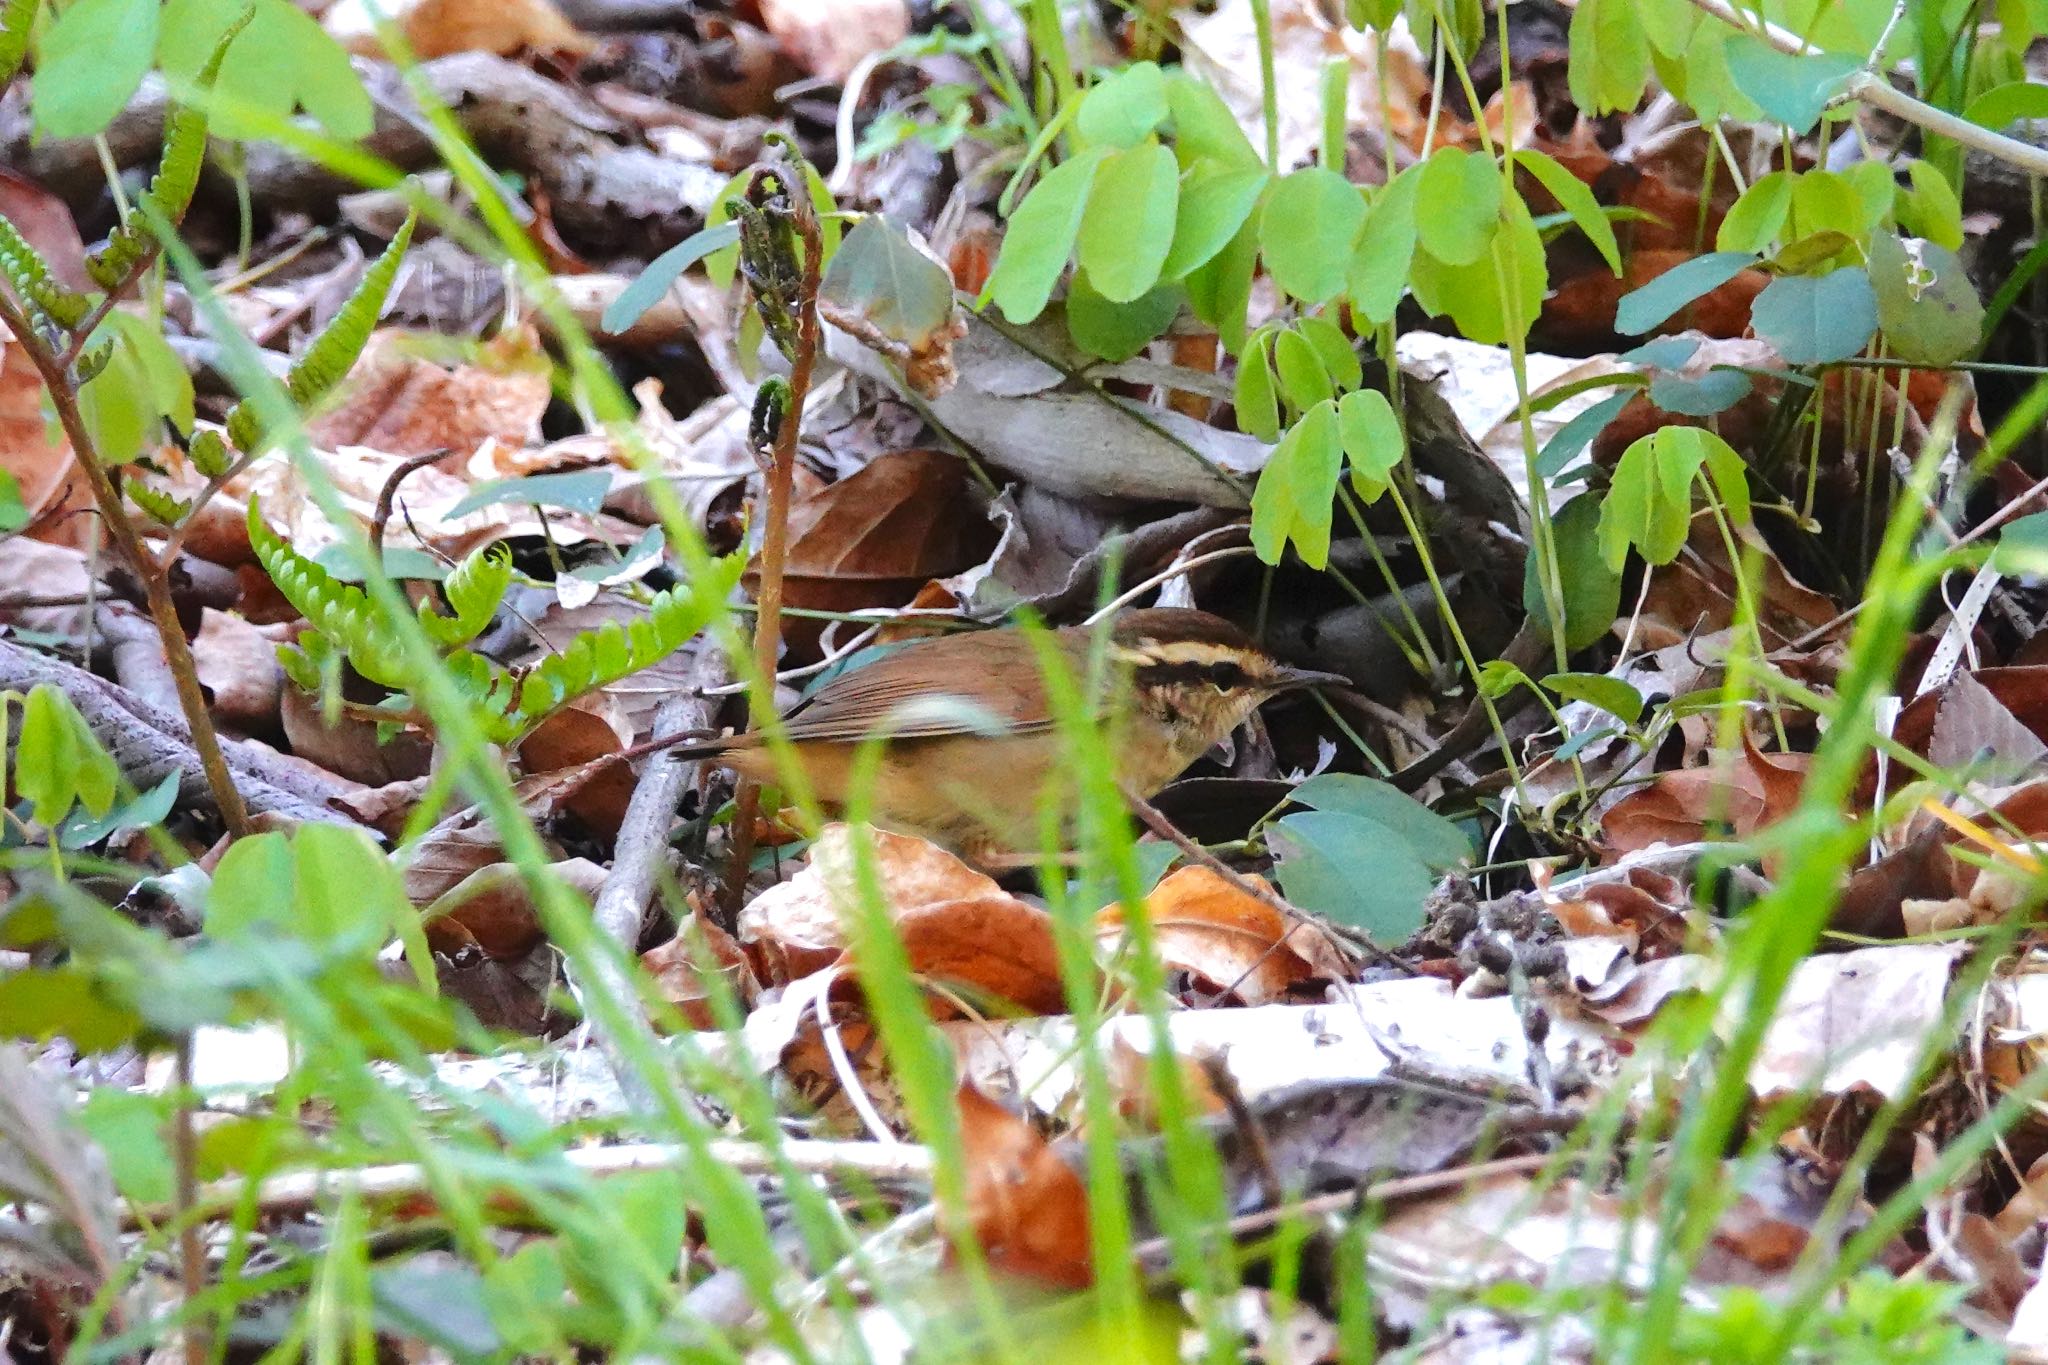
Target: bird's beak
x,y
1285,679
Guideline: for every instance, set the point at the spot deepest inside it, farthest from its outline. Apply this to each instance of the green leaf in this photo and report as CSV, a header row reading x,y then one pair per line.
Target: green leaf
x,y
1608,57
1128,225
1576,198
1928,308
79,830
1644,308
1759,215
1334,349
1814,320
1353,871
1378,275
1790,90
1220,291
1439,843
1457,208
1603,690
1308,226
662,272
1571,439
1292,501
59,761
1823,201
1649,501
1473,297
880,277
91,61
284,61
1204,128
1590,588
1717,390
1302,376
1254,396
1930,208
1117,331
1215,201
2003,105
1124,109
13,511
129,1128
1371,437
17,23
2022,548
71,1002
582,490
1040,237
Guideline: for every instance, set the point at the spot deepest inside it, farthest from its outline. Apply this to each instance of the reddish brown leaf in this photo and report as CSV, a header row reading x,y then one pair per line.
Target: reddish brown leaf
x,y
1027,1208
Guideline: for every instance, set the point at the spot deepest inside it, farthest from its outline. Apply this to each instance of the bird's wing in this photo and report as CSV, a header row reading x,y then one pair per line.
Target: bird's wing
x,y
996,673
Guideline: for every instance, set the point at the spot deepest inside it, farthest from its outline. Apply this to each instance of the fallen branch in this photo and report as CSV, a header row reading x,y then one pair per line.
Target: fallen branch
x,y
302,1190
149,744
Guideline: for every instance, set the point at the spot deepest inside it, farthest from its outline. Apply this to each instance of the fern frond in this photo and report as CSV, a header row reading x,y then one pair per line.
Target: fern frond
x,y
341,611
597,658
29,274
170,190
209,453
17,19
93,362
328,358
156,504
475,588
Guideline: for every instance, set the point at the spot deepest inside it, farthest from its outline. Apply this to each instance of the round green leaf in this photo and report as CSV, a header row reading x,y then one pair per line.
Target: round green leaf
x,y
282,61
1576,199
1928,308
2006,104
1127,228
1590,587
1436,841
1930,208
1457,208
1814,320
1310,221
1124,109
1256,401
1334,349
1352,870
1296,488
1603,690
1371,436
879,275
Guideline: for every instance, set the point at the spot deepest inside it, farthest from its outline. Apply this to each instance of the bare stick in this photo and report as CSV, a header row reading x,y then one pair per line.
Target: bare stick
x,y
775,526
304,1189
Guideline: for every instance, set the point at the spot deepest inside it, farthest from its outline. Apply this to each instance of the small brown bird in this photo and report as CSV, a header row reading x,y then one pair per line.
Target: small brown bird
x,y
970,740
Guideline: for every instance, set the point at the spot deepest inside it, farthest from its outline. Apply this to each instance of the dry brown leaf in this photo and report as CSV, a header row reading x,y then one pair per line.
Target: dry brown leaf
x,y
678,969
1744,793
1027,1208
50,489
493,908
795,928
1232,943
875,538
437,28
575,738
400,401
994,945
238,666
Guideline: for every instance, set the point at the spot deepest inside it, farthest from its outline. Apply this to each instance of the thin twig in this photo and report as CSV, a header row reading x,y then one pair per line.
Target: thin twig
x,y
1871,88
387,497
191,1247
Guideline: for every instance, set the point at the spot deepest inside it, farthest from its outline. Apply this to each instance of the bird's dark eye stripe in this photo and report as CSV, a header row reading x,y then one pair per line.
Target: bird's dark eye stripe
x,y
1225,675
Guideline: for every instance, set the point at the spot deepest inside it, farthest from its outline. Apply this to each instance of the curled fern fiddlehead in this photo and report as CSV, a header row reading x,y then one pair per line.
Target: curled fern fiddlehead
x,y
330,355
341,611
475,588
29,274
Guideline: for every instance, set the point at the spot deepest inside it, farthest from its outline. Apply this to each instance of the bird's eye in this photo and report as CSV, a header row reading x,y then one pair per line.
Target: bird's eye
x,y
1226,677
